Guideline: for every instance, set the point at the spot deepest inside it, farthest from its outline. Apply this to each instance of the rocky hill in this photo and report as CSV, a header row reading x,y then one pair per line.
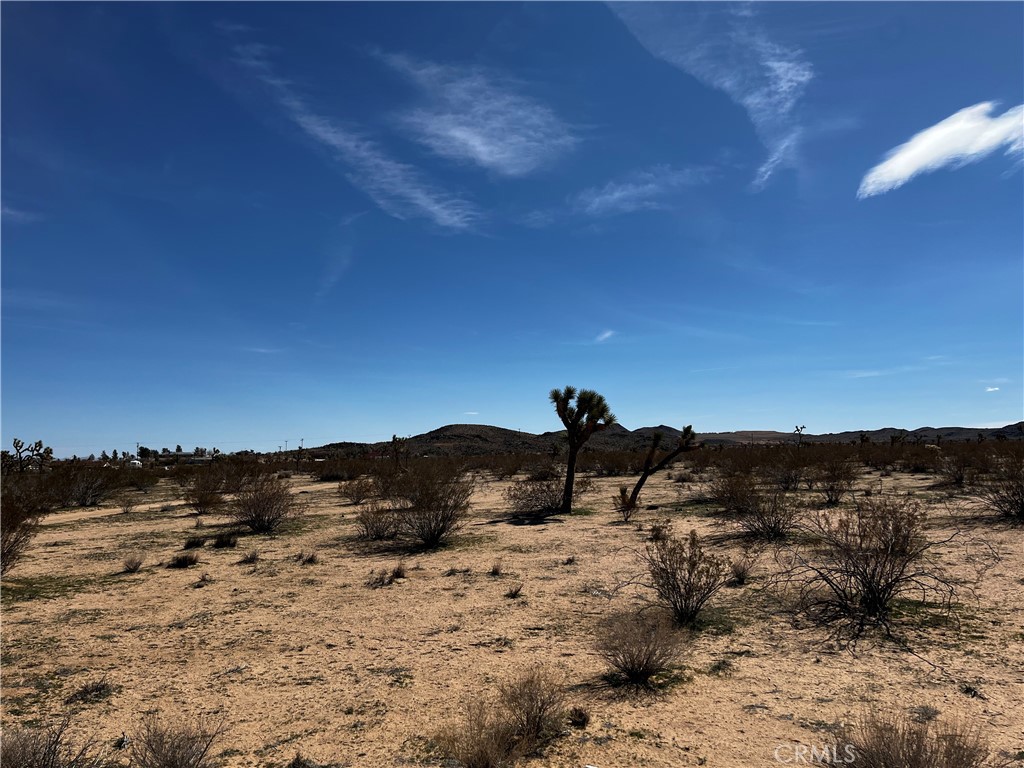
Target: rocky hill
x,y
481,439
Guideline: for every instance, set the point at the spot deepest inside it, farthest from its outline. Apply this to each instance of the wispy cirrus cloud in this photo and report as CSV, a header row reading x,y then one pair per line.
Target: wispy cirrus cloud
x,y
399,189
649,189
963,138
475,116
603,336
991,389
19,216
728,49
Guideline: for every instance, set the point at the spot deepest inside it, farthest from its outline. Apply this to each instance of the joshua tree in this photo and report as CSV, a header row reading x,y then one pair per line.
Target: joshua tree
x,y
799,435
582,418
686,443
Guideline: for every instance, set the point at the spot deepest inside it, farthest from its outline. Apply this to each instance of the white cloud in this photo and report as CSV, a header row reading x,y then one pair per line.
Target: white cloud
x,y
481,118
991,389
966,137
604,336
398,189
726,49
337,265
471,413
643,190
18,216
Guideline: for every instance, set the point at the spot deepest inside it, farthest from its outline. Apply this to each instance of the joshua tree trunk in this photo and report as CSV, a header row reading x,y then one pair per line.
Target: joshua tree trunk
x,y
685,444
570,480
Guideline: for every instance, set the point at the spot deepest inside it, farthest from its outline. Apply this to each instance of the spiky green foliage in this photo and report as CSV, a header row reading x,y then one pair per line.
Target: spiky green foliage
x,y
583,413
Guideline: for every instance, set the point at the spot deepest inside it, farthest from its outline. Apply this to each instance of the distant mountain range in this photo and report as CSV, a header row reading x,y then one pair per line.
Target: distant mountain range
x,y
481,439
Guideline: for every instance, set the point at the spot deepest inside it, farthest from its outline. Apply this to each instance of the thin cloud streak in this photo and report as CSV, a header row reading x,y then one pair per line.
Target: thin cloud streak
x,y
963,138
478,117
18,216
604,336
728,50
397,188
643,190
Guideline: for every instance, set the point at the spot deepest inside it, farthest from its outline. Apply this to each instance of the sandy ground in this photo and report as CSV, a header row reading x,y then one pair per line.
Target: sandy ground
x,y
308,658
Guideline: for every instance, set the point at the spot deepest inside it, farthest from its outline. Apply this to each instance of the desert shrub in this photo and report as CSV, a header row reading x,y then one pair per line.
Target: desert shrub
x,y
385,577
1003,491
683,575
307,558
835,475
194,542
785,470
204,492
527,714
264,505
513,592
768,515
132,563
739,570
637,648
535,705
250,558
343,470
659,531
544,496
48,748
496,568
578,717
866,558
91,692
435,496
23,504
504,466
625,505
225,540
235,473
613,463
377,522
125,501
74,484
485,740
895,741
958,467
358,490
733,491
175,745
183,561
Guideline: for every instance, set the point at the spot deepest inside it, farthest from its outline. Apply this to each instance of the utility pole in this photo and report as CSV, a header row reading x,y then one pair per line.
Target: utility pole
x,y
302,441
286,446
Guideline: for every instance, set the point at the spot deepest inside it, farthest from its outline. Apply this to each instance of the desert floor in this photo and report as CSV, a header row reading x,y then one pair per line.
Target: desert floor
x,y
308,658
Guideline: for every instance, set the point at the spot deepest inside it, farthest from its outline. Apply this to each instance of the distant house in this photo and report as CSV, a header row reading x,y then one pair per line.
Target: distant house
x,y
135,464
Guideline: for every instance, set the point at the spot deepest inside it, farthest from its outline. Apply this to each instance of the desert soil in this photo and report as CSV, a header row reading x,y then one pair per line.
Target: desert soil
x,y
308,658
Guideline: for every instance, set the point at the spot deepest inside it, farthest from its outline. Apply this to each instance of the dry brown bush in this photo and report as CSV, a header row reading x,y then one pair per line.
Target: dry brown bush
x,y
22,507
485,740
377,522
896,741
1003,492
264,505
768,515
358,490
204,492
162,744
637,648
534,703
683,575
865,559
48,748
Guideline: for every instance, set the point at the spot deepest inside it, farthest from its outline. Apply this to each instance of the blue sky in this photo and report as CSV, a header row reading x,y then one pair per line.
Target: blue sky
x,y
237,224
